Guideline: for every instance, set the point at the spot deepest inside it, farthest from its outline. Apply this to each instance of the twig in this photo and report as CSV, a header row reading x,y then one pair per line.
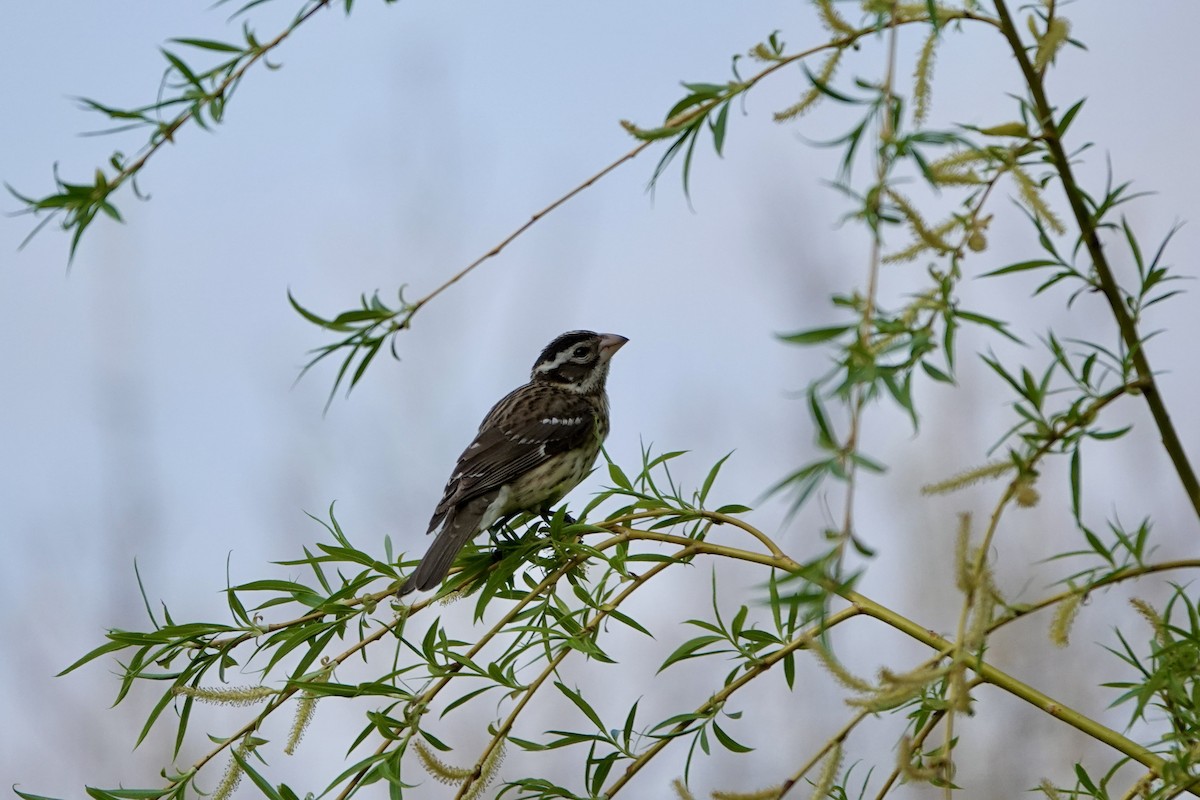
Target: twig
x,y
1108,283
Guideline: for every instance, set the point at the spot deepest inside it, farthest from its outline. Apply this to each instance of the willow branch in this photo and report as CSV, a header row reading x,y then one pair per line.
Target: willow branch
x,y
724,694
552,666
1108,283
681,120
1010,684
833,742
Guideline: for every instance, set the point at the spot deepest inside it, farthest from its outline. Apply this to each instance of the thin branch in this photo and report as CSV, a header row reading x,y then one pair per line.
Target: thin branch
x,y
407,313
1108,283
1011,685
720,697
497,249
833,742
552,665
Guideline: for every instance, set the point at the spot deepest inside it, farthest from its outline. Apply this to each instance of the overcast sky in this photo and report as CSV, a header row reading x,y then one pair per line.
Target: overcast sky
x,y
147,403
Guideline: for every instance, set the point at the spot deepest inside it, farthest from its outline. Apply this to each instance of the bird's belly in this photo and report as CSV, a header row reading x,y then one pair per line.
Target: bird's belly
x,y
549,482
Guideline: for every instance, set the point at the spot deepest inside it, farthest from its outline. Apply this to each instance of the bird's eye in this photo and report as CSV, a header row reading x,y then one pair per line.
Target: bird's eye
x,y
580,352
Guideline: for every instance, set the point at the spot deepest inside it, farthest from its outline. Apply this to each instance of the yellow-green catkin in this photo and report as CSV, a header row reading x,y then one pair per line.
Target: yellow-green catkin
x,y
922,230
910,764
305,708
977,240
1049,789
829,773
232,775
487,773
1026,495
915,11
1031,195
452,597
956,169
1064,618
937,234
1050,42
958,694
769,793
897,688
839,671
971,476
983,608
761,52
832,20
227,695
964,577
824,75
681,790
1151,616
439,770
922,84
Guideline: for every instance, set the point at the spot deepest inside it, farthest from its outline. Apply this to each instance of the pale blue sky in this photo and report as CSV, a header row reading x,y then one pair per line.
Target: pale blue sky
x,y
147,403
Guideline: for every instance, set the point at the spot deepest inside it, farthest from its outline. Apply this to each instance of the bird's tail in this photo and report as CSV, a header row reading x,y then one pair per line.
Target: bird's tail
x,y
459,527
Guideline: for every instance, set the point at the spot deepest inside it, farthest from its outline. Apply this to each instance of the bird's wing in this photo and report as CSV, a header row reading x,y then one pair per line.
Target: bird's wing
x,y
525,429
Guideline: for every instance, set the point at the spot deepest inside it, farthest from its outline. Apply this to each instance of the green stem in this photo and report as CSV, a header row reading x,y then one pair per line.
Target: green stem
x,y
1108,283
1008,683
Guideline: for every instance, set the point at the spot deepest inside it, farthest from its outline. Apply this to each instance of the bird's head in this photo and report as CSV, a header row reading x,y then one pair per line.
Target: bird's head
x,y
577,360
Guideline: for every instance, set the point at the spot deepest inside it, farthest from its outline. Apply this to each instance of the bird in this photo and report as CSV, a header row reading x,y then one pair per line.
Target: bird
x,y
532,448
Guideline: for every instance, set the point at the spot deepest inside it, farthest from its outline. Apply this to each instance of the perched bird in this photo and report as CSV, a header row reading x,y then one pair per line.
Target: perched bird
x,y
532,448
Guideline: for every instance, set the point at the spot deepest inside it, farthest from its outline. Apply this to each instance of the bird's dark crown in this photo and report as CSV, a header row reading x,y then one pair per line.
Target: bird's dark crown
x,y
575,360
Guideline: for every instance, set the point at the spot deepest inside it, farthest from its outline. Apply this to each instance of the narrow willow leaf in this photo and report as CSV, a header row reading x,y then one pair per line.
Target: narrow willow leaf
x,y
728,742
210,44
816,335
689,650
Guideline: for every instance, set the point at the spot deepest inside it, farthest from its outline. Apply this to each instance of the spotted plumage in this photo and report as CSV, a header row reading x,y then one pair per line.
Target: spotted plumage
x,y
533,447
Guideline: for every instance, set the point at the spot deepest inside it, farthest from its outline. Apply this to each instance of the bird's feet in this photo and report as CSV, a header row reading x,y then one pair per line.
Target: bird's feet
x,y
548,518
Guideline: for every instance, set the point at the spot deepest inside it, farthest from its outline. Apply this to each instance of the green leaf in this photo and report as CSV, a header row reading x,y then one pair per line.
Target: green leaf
x,y
1021,266
464,699
789,670
581,704
825,436
1114,434
707,89
712,476
718,129
262,783
162,703
304,312
28,796
1076,483
999,326
689,650
183,69
210,44
816,335
936,374
630,621
124,794
728,742
618,477
107,647
1069,117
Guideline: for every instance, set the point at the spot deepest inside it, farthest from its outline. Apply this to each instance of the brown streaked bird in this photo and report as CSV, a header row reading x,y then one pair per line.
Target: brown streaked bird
x,y
532,448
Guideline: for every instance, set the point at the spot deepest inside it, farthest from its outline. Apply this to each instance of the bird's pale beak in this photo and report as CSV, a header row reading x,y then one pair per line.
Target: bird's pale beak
x,y
609,344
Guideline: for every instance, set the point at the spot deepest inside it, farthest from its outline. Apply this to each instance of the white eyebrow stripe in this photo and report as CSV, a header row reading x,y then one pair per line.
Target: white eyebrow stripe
x,y
561,420
560,358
